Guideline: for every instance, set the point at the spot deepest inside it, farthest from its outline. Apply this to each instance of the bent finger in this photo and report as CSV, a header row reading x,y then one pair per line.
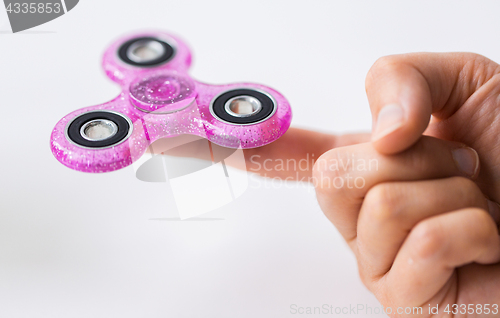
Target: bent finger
x,y
343,176
435,247
391,210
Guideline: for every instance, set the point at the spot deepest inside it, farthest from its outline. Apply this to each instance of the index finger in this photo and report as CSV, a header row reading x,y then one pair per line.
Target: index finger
x,y
343,176
296,145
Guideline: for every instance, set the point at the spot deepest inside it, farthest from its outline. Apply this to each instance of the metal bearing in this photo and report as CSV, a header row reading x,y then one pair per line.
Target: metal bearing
x,y
99,129
243,106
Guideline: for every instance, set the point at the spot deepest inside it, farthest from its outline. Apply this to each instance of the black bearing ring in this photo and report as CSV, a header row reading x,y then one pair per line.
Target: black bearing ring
x,y
168,52
123,124
219,110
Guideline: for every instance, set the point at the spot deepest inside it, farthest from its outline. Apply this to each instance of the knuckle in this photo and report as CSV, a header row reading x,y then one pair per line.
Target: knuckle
x,y
427,240
468,190
381,66
474,60
486,228
477,70
430,239
365,278
327,172
375,284
382,203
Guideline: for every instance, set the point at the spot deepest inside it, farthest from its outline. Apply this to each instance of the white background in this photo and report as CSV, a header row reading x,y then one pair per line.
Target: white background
x,y
85,245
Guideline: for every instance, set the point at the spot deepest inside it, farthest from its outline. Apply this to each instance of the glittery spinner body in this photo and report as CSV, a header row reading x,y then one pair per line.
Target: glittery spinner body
x,y
158,100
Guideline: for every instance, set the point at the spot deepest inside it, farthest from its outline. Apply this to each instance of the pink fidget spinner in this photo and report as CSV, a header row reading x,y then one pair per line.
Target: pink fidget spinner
x,y
159,99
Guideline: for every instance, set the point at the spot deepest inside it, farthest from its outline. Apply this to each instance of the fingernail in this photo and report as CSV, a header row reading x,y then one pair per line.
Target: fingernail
x,y
494,210
390,118
467,160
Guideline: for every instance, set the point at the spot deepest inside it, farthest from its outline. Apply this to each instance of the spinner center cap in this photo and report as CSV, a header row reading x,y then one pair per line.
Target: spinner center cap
x,y
162,93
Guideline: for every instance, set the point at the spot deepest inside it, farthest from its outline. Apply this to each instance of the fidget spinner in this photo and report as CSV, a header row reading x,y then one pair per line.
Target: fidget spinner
x,y
158,100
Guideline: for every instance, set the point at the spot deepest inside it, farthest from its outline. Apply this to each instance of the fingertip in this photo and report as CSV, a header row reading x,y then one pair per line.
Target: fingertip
x,y
467,161
390,118
398,126
401,104
396,140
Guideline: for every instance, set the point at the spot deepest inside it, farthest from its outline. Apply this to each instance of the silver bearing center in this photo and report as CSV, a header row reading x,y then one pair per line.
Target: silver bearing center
x,y
98,129
243,106
145,51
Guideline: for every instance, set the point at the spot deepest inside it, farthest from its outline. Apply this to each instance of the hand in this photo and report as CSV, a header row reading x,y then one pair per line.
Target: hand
x,y
417,242
462,93
460,90
416,222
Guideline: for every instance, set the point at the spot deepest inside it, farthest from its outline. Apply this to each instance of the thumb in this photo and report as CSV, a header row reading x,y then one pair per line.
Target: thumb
x,y
404,90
